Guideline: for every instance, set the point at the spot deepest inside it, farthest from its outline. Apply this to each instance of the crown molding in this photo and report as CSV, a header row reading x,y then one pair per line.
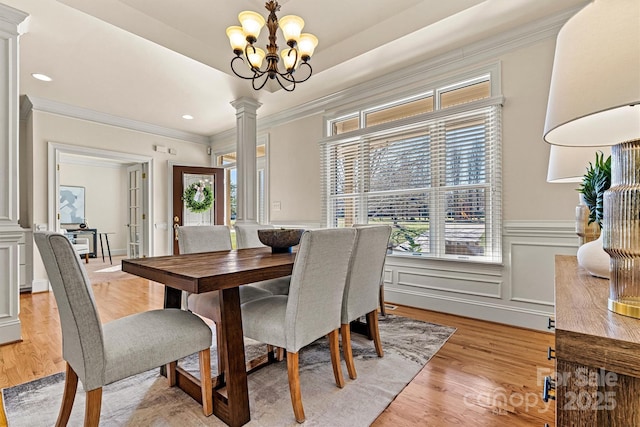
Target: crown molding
x,y
13,21
29,103
486,49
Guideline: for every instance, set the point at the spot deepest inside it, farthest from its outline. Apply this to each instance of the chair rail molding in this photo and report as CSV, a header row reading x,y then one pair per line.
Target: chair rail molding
x,y
519,292
11,26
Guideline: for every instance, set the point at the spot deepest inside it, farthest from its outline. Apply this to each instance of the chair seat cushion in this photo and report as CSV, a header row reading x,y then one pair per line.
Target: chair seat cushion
x,y
264,320
279,286
81,248
208,303
132,343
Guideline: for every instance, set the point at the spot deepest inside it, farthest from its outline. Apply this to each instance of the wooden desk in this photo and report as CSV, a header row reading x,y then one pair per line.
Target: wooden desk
x,y
597,352
106,238
224,271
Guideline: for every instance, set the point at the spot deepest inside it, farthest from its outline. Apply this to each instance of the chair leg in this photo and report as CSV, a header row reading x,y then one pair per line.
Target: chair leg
x,y
383,310
220,348
345,332
171,373
372,321
70,387
205,381
86,258
334,346
92,408
294,386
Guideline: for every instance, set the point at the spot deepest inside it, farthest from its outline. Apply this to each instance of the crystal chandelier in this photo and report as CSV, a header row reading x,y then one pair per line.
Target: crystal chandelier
x,y
297,55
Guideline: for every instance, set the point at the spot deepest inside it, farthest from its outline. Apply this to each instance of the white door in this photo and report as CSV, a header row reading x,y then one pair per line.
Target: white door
x,y
136,211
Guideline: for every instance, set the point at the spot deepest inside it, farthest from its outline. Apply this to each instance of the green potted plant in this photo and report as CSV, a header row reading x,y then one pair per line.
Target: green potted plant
x,y
595,182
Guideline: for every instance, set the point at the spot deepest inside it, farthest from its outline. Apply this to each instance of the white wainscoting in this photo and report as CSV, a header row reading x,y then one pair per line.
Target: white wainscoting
x,y
10,328
520,292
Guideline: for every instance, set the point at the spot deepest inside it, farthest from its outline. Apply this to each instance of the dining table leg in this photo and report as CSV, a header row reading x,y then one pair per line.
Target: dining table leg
x,y
233,406
172,297
234,410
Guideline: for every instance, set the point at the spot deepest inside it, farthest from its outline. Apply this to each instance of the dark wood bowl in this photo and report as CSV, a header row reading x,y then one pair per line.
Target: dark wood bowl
x,y
280,239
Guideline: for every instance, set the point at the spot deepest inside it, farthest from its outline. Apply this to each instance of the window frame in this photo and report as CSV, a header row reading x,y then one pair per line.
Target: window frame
x,y
493,184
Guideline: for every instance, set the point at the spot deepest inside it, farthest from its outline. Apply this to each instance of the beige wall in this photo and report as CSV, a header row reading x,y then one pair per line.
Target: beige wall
x,y
46,127
294,168
526,75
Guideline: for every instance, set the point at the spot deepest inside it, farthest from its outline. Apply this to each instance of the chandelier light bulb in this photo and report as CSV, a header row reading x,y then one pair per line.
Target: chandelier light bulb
x,y
290,59
291,27
237,39
255,57
252,23
306,45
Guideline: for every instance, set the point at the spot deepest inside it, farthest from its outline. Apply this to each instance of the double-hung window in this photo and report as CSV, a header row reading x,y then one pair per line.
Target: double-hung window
x,y
434,177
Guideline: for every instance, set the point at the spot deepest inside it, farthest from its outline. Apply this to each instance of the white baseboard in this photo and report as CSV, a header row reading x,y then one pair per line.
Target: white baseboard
x,y
40,285
522,317
10,332
114,252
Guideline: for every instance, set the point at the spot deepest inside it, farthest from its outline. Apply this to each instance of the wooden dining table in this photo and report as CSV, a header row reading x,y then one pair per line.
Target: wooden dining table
x,y
222,271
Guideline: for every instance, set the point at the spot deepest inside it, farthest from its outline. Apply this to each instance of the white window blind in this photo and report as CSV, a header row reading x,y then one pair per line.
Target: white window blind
x,y
438,185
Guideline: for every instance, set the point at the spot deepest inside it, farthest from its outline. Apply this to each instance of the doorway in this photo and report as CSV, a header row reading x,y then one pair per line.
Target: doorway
x,y
70,153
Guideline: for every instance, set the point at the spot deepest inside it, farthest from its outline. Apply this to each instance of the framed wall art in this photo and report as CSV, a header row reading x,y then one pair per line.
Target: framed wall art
x,y
71,201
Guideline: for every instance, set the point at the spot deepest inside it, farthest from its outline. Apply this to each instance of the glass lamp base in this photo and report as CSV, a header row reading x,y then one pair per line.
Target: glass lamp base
x,y
626,308
621,228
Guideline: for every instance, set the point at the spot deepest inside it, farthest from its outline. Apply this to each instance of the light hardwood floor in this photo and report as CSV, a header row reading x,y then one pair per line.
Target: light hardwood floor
x,y
487,374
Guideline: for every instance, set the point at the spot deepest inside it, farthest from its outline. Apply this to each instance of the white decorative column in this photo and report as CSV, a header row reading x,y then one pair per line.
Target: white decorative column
x,y
246,127
10,231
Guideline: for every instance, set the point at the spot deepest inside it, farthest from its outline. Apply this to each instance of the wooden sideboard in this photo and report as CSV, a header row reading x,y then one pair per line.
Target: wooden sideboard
x,y
597,353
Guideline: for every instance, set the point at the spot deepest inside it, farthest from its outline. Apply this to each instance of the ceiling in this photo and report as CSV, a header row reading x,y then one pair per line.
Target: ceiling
x,y
155,60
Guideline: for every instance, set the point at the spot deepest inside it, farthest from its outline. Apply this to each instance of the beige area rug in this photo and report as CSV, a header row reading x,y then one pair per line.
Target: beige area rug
x,y
102,271
146,400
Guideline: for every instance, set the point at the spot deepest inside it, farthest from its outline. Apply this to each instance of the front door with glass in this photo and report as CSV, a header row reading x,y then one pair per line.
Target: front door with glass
x,y
198,197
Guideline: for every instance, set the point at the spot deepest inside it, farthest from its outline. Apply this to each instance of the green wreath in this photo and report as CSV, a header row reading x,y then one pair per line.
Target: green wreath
x,y
198,197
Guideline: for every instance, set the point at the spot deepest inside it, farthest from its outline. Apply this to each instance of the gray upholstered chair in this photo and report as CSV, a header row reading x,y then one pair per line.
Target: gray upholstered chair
x,y
247,237
311,310
361,292
211,238
102,354
247,234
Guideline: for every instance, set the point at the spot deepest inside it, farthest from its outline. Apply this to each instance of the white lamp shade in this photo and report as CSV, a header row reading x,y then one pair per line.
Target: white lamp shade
x,y
594,98
569,164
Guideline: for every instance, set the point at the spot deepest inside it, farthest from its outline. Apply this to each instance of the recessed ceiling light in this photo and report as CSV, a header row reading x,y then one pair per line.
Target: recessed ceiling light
x,y
42,77
187,117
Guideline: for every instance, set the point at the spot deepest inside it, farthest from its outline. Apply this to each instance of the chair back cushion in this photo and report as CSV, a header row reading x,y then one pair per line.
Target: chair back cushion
x,y
82,338
203,238
247,235
361,292
317,285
